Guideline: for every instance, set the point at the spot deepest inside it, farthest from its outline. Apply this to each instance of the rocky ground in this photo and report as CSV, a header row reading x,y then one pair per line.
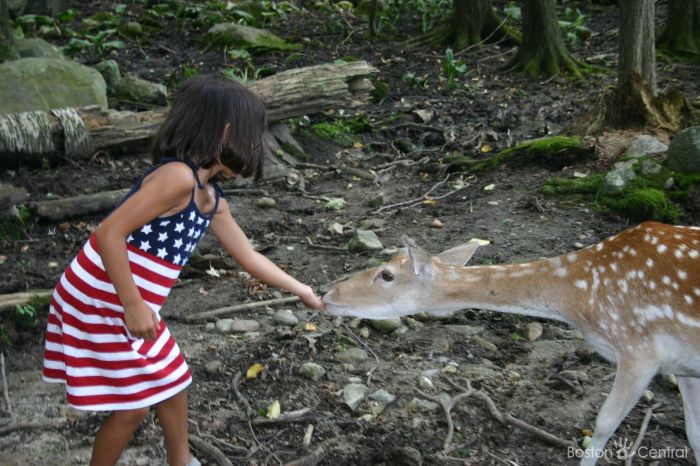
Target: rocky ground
x,y
539,371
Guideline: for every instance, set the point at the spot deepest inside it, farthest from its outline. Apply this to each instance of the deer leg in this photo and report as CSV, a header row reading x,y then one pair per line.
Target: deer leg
x,y
690,391
630,381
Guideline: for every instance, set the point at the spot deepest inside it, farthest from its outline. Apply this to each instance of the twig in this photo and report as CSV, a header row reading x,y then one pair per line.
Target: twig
x,y
508,419
642,432
418,199
300,415
376,358
252,432
308,433
239,307
248,410
323,246
447,406
550,79
30,426
5,390
310,460
210,450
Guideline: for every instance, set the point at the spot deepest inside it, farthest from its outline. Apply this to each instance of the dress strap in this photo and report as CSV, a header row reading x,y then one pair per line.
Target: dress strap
x,y
218,192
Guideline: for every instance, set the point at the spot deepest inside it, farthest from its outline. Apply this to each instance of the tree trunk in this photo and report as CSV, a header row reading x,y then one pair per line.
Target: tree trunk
x,y
681,34
472,22
542,51
7,39
30,137
637,49
633,103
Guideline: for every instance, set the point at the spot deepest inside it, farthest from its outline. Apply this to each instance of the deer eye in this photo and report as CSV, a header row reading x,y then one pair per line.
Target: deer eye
x,y
387,276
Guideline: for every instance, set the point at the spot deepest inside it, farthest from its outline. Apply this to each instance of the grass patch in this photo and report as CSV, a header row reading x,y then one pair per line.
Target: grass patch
x,y
341,132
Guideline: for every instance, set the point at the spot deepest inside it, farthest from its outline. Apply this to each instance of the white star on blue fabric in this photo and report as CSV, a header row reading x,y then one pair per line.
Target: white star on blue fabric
x,y
145,245
200,220
192,216
179,227
165,223
177,259
162,253
146,229
191,232
162,236
178,243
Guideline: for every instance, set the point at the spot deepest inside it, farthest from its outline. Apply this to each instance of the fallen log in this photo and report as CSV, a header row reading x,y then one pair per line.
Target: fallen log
x,y
75,134
77,206
11,301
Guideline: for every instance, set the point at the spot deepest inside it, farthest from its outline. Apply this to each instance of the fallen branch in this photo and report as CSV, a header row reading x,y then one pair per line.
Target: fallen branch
x,y
421,199
77,206
376,358
301,415
244,401
239,307
8,302
31,426
308,433
642,432
310,460
209,450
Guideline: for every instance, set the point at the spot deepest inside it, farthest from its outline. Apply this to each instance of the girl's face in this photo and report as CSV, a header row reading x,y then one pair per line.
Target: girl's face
x,y
226,172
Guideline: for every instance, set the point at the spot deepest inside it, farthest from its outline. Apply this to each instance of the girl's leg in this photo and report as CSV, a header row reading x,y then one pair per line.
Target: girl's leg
x,y
172,415
114,435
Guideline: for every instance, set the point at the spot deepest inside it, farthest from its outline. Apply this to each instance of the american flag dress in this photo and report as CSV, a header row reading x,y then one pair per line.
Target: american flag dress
x,y
88,346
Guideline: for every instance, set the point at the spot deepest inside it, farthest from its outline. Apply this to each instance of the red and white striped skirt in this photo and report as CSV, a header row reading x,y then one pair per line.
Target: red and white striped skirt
x,y
89,348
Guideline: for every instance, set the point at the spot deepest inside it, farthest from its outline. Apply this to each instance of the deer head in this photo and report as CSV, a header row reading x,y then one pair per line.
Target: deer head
x,y
404,285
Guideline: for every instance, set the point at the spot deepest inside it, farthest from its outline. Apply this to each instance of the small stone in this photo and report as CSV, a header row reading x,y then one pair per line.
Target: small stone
x,y
352,355
648,396
437,224
365,240
425,383
413,323
669,381
513,376
578,245
449,370
347,367
213,367
576,376
645,144
285,317
484,343
354,394
382,396
534,331
335,229
210,326
371,224
244,325
266,202
224,325
312,371
377,201
386,325
364,332
419,404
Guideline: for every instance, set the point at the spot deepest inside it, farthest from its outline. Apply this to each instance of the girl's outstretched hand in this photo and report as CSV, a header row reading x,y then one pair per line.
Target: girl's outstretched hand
x,y
310,299
141,321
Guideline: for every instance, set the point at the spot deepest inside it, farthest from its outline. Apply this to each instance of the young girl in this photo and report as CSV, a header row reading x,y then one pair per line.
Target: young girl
x,y
105,338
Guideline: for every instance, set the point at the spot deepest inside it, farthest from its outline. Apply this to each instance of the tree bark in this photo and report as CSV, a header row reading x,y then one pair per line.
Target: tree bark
x,y
637,48
472,22
681,34
633,102
542,51
7,39
30,137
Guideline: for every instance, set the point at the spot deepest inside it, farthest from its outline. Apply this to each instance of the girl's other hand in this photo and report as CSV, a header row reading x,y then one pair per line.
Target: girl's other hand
x,y
141,321
310,299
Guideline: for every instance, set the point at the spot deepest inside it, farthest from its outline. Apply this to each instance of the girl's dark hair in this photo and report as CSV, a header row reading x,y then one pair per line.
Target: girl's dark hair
x,y
193,129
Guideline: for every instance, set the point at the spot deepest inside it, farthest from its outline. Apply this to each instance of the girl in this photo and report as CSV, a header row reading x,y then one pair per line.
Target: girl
x,y
105,338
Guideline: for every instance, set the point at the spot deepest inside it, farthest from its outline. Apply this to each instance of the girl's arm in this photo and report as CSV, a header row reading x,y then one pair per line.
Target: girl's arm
x,y
166,189
232,238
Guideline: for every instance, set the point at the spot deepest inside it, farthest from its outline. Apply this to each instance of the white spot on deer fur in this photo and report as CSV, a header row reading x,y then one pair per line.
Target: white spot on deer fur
x,y
666,280
652,285
662,248
599,247
678,253
647,238
682,274
633,252
688,299
581,284
689,321
613,266
696,291
668,311
693,254
561,272
652,313
623,285
601,269
571,257
677,236
654,240
631,274
650,262
675,285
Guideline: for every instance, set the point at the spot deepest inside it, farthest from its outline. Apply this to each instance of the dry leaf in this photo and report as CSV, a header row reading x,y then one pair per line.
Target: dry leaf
x,y
273,411
486,148
213,272
309,327
254,371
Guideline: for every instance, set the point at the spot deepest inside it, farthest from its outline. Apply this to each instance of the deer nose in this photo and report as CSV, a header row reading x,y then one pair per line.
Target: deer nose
x,y
328,297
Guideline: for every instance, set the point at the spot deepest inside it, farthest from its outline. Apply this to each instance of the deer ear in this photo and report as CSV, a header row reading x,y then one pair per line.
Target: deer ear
x,y
460,255
420,260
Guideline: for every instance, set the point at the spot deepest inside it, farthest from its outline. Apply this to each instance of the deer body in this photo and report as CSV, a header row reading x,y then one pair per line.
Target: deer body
x,y
635,296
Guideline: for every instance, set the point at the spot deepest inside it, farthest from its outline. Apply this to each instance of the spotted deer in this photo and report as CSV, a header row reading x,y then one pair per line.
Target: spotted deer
x,y
635,297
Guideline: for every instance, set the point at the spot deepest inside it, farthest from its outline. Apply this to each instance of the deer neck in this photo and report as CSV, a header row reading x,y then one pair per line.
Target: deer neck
x,y
515,289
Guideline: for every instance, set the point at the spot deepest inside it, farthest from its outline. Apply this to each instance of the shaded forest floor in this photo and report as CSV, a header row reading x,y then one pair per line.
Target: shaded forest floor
x,y
553,382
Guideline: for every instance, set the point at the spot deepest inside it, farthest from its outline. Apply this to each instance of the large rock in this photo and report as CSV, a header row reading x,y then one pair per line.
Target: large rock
x,y
237,35
134,89
365,240
684,151
645,144
45,83
616,179
34,47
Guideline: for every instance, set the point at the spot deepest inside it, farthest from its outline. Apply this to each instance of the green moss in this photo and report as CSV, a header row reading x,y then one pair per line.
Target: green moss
x,y
341,131
645,204
589,185
380,91
553,152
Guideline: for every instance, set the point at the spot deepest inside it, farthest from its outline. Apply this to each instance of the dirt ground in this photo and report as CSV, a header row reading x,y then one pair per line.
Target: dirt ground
x,y
553,382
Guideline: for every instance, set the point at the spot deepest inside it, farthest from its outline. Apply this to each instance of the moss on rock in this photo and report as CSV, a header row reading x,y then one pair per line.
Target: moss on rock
x,y
553,152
